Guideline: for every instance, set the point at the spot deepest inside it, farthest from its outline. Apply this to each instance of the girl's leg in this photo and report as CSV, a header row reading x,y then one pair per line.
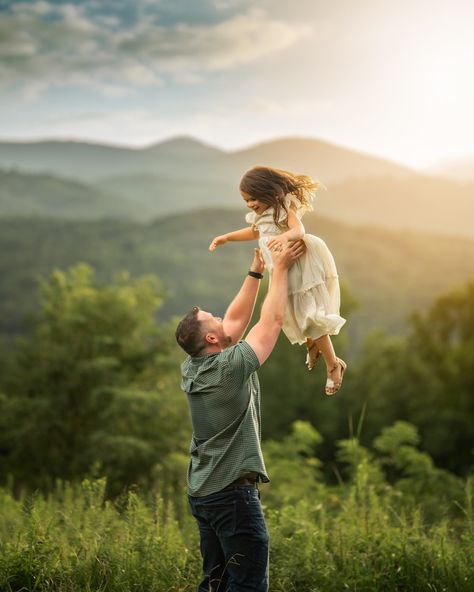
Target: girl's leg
x,y
313,353
333,366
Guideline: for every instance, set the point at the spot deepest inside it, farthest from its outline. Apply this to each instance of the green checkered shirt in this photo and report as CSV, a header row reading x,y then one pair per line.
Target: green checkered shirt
x,y
224,400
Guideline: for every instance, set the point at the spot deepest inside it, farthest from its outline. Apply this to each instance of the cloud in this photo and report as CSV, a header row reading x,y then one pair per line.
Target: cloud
x,y
44,44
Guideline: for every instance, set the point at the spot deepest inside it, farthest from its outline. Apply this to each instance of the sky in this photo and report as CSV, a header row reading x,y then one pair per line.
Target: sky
x,y
393,79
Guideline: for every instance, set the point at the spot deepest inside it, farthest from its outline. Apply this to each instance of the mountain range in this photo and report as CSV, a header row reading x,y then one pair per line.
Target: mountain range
x,y
187,157
86,181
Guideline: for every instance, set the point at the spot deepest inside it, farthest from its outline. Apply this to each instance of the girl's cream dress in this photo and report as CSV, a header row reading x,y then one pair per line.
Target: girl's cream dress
x,y
313,284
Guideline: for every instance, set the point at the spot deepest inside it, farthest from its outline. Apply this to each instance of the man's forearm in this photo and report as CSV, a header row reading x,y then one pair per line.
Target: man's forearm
x,y
239,312
274,306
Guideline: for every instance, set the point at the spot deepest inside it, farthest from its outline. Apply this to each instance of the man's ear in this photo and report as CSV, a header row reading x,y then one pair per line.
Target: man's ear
x,y
211,338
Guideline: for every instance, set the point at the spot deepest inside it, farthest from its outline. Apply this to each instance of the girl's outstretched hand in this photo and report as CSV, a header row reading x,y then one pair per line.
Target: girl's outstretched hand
x,y
219,240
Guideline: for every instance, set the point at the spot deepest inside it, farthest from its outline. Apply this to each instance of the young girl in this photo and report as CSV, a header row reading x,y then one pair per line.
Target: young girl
x,y
278,200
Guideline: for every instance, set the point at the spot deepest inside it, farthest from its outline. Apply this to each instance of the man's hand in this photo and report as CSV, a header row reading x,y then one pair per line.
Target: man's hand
x,y
286,256
258,265
278,242
219,240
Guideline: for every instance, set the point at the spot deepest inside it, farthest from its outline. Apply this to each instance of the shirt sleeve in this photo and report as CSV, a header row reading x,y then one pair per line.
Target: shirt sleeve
x,y
242,360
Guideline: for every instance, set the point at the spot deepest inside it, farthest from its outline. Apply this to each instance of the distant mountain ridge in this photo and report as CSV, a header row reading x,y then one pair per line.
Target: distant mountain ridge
x,y
86,161
328,162
183,174
182,145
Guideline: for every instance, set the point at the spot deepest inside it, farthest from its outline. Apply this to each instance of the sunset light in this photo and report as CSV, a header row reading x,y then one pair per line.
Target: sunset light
x,y
390,79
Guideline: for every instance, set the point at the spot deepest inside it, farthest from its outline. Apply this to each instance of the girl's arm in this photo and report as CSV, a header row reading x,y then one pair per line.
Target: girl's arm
x,y
244,234
296,231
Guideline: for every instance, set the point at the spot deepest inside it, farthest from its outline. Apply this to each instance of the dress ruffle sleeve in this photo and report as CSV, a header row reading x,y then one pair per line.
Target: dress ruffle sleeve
x,y
300,209
251,218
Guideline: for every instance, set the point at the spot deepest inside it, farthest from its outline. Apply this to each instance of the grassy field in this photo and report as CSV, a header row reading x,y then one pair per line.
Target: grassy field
x,y
346,538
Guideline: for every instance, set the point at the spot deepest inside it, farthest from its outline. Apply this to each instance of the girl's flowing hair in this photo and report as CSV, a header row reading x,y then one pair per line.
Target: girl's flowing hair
x,y
270,186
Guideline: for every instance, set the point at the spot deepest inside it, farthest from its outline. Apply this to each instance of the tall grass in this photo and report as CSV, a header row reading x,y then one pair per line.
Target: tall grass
x,y
73,541
346,538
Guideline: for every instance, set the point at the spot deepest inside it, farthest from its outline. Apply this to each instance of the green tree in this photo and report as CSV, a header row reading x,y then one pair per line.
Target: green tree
x,y
414,473
426,379
293,466
92,389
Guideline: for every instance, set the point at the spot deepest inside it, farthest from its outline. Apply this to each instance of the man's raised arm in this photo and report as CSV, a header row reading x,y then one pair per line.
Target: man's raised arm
x,y
263,336
239,313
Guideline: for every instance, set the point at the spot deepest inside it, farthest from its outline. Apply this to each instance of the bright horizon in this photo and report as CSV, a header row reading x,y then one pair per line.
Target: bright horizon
x,y
391,81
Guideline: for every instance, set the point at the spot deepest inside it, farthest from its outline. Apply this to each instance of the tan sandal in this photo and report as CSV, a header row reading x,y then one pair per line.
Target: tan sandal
x,y
331,387
312,356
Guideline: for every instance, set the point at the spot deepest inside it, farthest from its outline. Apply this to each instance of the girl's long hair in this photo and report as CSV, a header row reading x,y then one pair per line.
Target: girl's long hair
x,y
270,186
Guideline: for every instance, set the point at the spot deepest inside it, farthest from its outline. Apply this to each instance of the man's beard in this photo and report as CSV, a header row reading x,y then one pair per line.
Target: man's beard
x,y
226,341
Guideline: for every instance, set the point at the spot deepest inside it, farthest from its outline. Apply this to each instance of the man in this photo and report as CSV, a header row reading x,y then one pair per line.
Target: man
x,y
223,392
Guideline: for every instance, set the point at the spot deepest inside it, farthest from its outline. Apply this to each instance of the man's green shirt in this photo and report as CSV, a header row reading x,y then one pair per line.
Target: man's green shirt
x,y
224,400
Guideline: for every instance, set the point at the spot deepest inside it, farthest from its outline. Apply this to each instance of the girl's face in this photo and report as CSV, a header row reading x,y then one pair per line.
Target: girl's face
x,y
254,204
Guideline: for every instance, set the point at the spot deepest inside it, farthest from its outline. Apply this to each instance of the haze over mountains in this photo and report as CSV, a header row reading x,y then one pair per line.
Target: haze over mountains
x,y
183,174
47,195
461,170
185,156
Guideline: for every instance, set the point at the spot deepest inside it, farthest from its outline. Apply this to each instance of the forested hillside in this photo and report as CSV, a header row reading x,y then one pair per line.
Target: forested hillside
x,y
47,195
389,273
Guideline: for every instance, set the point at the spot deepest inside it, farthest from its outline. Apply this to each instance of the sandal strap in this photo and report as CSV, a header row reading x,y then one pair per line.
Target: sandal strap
x,y
330,384
338,363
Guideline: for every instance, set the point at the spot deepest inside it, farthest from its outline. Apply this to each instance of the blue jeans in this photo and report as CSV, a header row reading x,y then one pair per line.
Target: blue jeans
x,y
234,541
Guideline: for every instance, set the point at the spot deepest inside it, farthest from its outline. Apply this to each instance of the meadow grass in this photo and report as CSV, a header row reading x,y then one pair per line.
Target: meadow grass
x,y
350,539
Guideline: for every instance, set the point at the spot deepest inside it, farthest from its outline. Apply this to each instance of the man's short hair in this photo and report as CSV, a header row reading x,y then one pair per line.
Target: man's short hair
x,y
189,334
